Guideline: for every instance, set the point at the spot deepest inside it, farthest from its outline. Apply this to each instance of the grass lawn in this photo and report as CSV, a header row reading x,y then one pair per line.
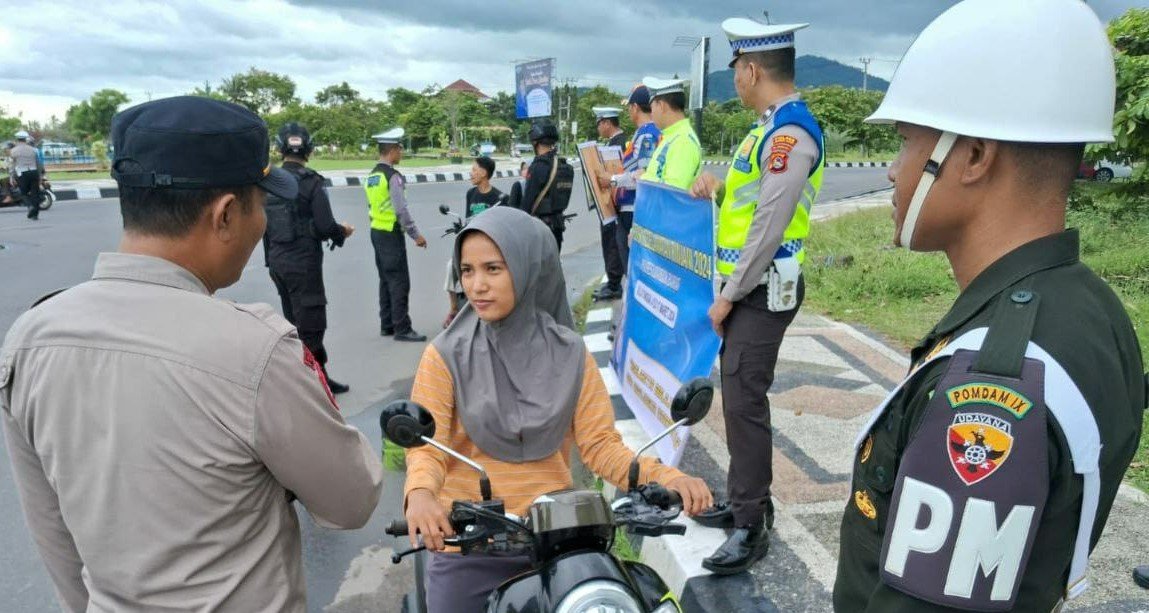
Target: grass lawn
x,y
901,295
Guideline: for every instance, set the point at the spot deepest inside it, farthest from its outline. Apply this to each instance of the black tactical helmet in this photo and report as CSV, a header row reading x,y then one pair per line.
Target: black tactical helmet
x,y
544,131
294,139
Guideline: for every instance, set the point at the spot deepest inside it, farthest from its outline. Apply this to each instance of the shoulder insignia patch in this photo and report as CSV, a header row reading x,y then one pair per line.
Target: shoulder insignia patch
x,y
991,394
865,505
778,162
310,361
978,444
867,449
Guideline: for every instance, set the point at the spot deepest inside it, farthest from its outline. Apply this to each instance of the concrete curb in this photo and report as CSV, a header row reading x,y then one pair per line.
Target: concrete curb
x,y
93,193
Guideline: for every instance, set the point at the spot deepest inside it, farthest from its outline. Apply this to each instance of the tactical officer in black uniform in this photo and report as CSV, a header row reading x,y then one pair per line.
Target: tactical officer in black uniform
x,y
550,180
293,245
985,480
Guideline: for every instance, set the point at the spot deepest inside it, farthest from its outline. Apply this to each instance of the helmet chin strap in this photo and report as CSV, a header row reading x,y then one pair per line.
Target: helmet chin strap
x,y
929,175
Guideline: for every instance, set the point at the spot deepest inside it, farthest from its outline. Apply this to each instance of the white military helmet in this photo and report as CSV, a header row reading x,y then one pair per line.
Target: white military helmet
x,y
1034,71
22,135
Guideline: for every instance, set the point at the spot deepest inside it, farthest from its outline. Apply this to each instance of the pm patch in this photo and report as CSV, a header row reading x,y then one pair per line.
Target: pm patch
x,y
978,445
989,393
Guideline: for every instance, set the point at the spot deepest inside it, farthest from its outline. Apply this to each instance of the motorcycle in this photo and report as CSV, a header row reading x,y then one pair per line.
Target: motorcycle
x,y
568,534
47,196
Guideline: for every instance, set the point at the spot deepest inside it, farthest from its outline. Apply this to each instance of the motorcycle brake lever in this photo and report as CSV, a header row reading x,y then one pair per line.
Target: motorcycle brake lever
x,y
398,557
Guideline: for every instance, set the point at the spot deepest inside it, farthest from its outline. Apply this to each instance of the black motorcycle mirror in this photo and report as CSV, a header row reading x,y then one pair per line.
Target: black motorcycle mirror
x,y
407,424
444,209
690,405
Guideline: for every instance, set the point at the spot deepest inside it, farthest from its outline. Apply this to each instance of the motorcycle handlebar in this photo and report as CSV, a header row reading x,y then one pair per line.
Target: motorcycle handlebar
x,y
397,527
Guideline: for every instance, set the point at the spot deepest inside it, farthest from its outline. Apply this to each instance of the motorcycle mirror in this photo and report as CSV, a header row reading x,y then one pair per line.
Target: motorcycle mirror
x,y
692,402
444,209
405,423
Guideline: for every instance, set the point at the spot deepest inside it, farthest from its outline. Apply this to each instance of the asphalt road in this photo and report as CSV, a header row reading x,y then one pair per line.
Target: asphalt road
x,y
59,251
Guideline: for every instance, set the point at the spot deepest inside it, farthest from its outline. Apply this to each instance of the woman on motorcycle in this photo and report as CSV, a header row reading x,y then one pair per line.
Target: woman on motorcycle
x,y
511,385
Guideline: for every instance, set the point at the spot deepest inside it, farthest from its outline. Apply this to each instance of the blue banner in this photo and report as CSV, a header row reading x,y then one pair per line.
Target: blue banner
x,y
533,88
665,338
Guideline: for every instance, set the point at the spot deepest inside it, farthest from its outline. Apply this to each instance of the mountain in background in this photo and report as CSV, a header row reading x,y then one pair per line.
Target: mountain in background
x,y
811,71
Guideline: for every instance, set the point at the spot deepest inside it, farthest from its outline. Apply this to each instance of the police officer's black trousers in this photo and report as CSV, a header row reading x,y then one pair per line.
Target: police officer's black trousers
x,y
622,237
753,336
611,256
29,182
394,279
557,226
305,306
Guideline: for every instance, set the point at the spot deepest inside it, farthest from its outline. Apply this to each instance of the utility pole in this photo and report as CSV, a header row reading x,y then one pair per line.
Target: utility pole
x,y
865,71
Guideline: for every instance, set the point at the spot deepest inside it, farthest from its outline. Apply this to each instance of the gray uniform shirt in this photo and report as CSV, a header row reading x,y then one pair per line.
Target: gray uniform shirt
x,y
778,196
23,158
397,187
155,433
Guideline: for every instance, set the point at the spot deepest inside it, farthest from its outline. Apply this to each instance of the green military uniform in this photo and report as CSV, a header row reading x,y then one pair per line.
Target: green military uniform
x,y
678,158
957,441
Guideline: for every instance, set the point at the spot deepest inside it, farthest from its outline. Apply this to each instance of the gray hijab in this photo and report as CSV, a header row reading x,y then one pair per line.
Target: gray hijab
x,y
517,381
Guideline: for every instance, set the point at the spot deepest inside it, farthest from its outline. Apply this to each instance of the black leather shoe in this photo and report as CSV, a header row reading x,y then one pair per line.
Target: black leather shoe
x,y
337,387
410,336
742,549
721,515
1141,576
607,293
386,331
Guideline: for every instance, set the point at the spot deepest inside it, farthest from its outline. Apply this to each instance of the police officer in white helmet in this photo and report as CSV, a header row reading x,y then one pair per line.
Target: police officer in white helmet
x,y
986,478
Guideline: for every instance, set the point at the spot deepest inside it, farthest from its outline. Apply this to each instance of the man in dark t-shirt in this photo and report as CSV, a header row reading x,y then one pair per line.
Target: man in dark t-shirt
x,y
483,195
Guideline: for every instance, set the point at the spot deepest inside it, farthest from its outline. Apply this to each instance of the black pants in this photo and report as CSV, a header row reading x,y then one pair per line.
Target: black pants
x,y
29,183
622,237
611,256
557,226
749,355
305,306
394,279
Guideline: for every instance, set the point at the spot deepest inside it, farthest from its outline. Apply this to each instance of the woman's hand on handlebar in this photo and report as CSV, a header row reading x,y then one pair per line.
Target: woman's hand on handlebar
x,y
427,517
696,496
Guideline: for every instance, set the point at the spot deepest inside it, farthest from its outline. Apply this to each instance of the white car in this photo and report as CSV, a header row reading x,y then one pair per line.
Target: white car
x,y
1106,171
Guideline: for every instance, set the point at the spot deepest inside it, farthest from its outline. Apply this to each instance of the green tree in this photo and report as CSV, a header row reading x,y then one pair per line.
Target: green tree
x,y
1130,37
403,99
844,109
92,118
259,90
333,95
8,125
584,112
425,121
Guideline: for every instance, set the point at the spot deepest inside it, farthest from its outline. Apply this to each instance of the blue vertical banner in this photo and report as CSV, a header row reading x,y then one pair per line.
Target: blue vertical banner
x,y
665,338
534,84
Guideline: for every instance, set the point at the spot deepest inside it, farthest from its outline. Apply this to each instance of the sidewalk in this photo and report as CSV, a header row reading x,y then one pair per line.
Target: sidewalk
x,y
829,376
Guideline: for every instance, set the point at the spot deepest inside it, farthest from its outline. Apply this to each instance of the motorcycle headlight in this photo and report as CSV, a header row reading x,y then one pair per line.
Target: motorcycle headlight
x,y
599,597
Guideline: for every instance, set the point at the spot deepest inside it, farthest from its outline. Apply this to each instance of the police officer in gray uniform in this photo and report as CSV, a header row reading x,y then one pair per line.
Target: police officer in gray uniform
x,y
159,435
985,479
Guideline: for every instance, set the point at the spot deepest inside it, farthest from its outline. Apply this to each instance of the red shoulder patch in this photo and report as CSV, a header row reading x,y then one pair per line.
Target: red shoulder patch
x,y
310,361
778,162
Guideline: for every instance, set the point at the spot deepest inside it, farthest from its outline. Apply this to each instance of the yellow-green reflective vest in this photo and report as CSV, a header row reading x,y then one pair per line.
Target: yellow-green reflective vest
x,y
378,188
741,197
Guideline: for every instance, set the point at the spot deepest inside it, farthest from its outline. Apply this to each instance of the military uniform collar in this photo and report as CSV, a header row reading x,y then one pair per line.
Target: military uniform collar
x,y
769,114
1053,251
146,269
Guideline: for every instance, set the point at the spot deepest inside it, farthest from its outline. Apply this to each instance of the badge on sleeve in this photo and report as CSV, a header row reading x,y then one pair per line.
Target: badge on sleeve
x,y
780,148
310,361
971,486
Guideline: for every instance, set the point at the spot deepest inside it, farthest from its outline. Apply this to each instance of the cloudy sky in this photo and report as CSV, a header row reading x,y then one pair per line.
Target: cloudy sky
x,y
63,50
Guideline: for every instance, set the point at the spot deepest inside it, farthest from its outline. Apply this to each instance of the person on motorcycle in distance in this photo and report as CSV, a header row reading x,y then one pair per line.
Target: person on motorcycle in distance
x,y
511,385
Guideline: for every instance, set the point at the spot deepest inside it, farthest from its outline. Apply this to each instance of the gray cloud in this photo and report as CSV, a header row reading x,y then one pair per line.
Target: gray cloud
x,y
168,48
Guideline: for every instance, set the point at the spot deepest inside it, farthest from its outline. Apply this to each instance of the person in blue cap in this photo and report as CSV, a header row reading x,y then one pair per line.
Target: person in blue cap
x,y
159,435
635,159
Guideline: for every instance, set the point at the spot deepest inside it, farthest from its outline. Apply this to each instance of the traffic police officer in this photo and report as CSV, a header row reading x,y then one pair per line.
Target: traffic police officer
x,y
678,159
390,219
763,221
159,435
985,479
293,245
607,124
26,170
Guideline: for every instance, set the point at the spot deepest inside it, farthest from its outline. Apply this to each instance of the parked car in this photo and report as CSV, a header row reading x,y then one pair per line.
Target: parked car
x,y
1104,171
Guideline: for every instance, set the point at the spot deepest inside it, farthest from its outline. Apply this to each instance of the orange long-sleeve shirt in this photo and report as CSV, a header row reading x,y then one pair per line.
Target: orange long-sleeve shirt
x,y
592,429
